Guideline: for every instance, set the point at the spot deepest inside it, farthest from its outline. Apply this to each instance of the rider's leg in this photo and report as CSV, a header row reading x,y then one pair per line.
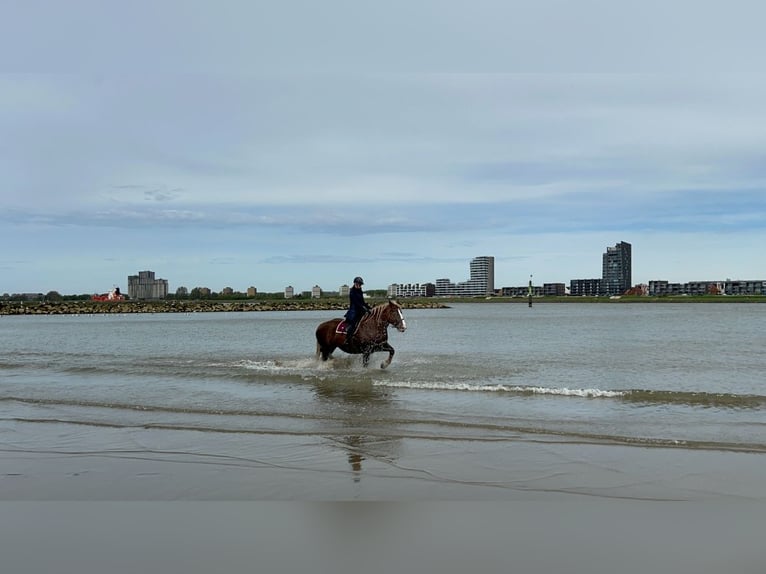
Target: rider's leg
x,y
350,328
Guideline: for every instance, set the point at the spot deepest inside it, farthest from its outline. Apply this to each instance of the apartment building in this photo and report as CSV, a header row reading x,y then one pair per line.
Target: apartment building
x,y
616,272
144,286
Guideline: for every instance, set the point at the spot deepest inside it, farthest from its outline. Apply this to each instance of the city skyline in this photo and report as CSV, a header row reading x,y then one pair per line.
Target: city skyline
x,y
614,280
215,170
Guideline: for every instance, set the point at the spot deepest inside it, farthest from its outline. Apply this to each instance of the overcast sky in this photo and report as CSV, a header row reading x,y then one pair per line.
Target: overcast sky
x,y
129,144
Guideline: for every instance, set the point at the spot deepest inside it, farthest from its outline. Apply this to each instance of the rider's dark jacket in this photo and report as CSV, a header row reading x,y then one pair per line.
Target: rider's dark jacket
x,y
357,306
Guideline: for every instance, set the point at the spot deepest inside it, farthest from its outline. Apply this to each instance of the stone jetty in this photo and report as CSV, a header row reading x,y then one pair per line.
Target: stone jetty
x,y
173,306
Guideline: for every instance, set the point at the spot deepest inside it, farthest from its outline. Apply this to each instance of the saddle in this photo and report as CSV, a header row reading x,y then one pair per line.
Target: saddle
x,y
341,328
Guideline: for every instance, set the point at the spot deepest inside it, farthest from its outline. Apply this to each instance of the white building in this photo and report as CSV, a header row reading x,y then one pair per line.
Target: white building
x,y
482,281
411,290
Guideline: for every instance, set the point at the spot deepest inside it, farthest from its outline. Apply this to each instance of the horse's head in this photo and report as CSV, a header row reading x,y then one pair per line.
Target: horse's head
x,y
392,313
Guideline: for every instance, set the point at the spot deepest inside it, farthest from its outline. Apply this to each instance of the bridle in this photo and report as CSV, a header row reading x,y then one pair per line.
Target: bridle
x,y
390,316
399,323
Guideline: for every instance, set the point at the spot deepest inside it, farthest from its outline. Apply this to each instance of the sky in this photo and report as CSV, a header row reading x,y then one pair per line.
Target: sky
x,y
239,144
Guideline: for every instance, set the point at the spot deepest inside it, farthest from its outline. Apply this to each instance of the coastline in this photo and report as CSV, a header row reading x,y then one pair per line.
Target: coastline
x,y
173,306
329,304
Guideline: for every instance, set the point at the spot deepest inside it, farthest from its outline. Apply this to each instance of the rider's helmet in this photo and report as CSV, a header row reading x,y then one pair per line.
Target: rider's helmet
x,y
359,280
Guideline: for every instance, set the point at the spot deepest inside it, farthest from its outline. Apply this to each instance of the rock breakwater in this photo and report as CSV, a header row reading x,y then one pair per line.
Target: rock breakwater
x,y
117,307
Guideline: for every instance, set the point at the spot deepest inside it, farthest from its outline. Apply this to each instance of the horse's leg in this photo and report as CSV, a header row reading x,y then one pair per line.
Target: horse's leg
x,y
365,358
390,349
324,351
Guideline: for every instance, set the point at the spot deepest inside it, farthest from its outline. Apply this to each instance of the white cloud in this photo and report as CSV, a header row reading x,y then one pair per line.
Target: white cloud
x,y
322,176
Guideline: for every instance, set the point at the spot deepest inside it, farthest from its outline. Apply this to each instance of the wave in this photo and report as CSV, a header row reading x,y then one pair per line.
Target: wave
x,y
646,396
500,388
348,368
313,369
695,398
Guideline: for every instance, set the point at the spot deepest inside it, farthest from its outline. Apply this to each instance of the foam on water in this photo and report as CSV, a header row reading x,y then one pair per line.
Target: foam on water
x,y
500,388
303,368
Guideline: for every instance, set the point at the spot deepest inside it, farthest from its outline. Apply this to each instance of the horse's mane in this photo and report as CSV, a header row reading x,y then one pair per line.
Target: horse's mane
x,y
377,310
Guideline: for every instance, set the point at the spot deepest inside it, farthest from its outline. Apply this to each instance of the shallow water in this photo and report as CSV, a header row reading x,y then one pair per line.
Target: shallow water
x,y
481,402
686,375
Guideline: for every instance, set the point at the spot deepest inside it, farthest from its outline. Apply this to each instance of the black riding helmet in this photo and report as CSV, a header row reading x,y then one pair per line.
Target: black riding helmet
x,y
359,280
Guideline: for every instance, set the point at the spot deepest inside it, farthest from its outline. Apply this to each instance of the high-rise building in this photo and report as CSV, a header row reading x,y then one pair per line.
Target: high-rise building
x,y
482,281
616,275
145,286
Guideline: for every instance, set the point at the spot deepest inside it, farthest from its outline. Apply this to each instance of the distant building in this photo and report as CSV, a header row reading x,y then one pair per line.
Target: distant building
x,y
727,287
641,290
252,291
289,292
585,287
748,287
411,290
522,291
554,289
316,292
616,273
145,286
343,290
482,281
445,288
227,291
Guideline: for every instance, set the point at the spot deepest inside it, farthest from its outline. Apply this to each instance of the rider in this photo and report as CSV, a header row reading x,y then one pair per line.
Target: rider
x,y
357,307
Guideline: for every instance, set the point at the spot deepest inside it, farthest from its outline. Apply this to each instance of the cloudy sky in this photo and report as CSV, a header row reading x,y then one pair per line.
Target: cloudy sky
x,y
201,144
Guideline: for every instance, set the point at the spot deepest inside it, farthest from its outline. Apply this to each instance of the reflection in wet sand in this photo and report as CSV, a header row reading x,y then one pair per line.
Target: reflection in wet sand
x,y
363,409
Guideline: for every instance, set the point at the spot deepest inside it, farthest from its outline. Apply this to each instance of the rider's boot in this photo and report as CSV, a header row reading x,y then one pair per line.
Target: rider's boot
x,y
350,333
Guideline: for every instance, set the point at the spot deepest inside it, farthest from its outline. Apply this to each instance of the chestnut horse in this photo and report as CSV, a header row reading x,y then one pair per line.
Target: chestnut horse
x,y
371,334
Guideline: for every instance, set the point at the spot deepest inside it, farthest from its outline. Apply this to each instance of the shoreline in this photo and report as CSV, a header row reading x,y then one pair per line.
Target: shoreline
x,y
143,463
330,304
173,306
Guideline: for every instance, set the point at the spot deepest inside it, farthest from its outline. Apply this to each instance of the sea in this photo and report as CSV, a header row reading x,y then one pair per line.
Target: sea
x,y
686,375
579,437
212,387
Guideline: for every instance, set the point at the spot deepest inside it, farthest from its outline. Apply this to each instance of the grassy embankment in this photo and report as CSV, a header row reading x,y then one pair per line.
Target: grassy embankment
x,y
620,300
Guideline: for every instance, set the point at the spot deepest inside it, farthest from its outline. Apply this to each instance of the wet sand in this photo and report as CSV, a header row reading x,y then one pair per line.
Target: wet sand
x,y
132,500
54,461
